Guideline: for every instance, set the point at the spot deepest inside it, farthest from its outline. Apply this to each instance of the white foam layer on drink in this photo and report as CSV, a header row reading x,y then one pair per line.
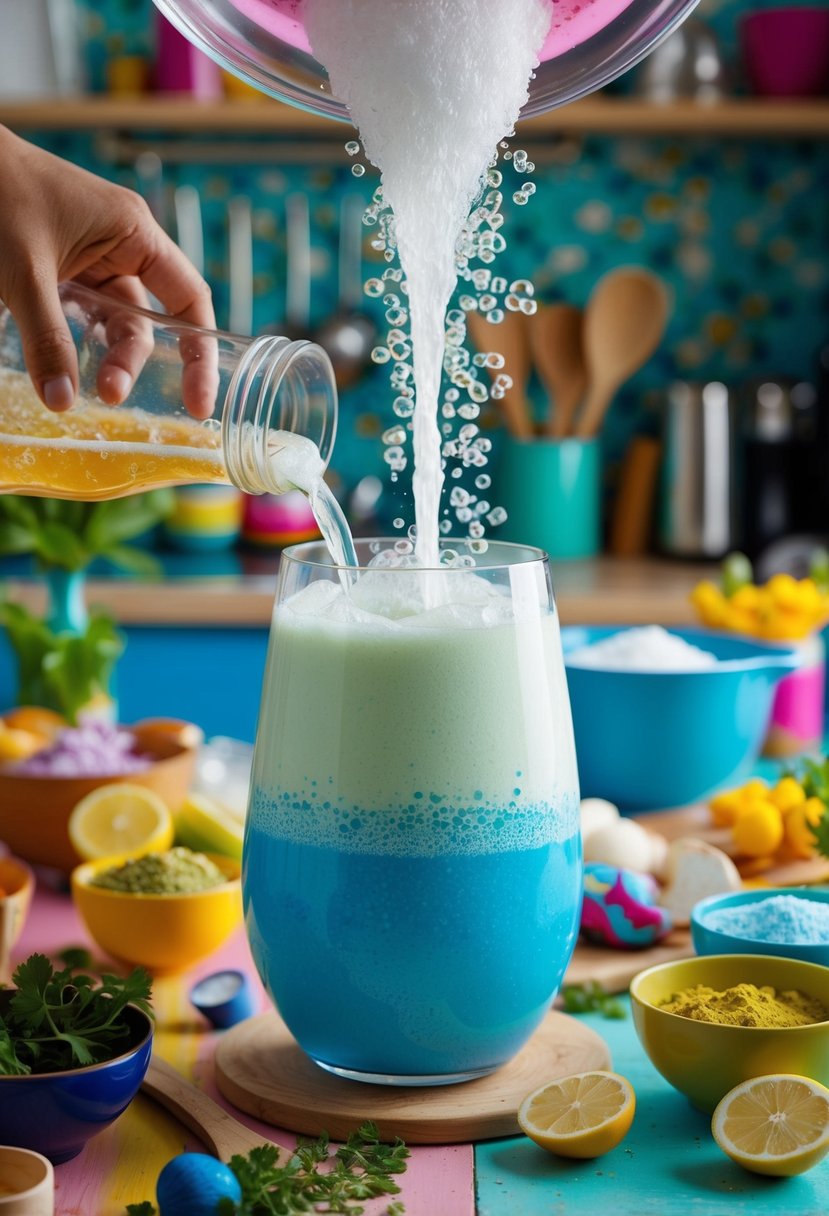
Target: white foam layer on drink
x,y
415,731
432,87
392,601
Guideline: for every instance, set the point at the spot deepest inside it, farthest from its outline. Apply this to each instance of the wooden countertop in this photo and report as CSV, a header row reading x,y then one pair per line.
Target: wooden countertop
x,y
603,591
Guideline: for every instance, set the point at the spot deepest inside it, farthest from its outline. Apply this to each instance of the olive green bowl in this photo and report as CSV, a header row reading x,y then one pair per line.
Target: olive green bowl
x,y
703,1060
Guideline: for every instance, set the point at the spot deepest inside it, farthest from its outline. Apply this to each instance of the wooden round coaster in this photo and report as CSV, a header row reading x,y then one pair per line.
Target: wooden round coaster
x,y
262,1071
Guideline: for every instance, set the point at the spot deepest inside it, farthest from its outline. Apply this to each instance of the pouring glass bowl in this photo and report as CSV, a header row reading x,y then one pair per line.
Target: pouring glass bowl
x,y
264,42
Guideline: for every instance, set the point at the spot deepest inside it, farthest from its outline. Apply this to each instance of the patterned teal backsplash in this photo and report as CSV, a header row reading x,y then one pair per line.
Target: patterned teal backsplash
x,y
738,229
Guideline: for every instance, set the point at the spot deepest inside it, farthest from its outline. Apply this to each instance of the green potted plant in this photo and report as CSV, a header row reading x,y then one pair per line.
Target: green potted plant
x,y
65,660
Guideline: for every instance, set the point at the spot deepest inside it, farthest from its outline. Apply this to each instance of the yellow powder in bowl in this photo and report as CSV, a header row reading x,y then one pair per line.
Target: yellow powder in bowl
x,y
746,1005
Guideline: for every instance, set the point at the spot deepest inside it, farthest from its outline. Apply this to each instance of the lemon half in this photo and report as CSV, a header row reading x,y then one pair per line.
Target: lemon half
x,y
775,1125
584,1115
120,819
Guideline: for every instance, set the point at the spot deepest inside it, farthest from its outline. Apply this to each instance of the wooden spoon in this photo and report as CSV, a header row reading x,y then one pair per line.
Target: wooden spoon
x,y
625,318
510,339
219,1132
558,352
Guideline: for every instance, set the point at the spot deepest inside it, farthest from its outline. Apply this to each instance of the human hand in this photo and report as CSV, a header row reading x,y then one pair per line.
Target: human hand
x,y
58,222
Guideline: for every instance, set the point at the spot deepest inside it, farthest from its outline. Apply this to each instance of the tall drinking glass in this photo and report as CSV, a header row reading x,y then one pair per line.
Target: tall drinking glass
x,y
412,864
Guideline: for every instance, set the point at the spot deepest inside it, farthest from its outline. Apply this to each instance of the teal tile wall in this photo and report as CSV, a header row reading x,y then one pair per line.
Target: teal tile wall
x,y
739,229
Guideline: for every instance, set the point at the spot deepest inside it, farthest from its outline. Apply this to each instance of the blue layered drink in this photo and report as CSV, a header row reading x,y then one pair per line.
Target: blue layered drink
x,y
412,861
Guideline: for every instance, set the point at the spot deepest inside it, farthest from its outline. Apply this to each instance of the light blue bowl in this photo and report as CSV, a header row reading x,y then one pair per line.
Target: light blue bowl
x,y
647,740
708,940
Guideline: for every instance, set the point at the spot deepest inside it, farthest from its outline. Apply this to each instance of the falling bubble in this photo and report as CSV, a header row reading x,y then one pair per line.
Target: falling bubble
x,y
399,523
395,434
358,170
380,354
373,287
483,481
352,147
497,516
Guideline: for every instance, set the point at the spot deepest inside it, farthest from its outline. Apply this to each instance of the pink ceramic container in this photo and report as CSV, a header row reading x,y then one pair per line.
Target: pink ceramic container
x,y
786,51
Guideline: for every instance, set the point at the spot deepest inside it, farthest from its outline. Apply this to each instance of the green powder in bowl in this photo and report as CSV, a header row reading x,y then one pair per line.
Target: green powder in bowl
x,y
178,871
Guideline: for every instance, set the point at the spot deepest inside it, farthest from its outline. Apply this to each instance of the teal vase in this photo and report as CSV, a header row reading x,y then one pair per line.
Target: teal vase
x,y
67,603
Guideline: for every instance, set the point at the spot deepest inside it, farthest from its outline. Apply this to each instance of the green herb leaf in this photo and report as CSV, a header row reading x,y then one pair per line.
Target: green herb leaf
x,y
591,998
361,1169
75,957
57,1020
57,544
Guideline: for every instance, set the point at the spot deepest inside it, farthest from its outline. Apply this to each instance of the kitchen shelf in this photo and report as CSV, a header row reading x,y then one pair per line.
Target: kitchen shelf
x,y
602,591
751,118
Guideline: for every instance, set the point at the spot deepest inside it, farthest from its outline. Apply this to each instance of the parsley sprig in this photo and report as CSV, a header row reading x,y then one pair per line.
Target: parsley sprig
x,y
57,1020
361,1169
591,998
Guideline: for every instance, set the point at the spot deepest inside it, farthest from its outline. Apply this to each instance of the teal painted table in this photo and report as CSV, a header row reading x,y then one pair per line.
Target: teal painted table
x,y
668,1165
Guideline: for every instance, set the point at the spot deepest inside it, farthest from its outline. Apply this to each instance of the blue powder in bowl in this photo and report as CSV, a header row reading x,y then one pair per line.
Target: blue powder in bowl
x,y
785,920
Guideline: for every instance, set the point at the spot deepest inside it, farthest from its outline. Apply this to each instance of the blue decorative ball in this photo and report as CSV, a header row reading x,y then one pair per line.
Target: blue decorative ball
x,y
192,1185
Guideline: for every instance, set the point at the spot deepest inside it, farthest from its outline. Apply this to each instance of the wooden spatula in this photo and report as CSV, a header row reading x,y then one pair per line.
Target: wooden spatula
x,y
624,321
558,354
223,1135
510,339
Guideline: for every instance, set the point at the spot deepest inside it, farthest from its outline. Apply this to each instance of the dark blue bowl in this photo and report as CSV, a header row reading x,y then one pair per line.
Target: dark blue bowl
x,y
55,1113
652,739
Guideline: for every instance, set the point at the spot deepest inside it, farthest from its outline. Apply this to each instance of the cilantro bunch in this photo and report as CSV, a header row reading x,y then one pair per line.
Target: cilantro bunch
x,y
361,1169
57,1020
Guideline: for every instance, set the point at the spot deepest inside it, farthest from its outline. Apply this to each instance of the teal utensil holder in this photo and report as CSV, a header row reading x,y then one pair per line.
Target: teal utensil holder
x,y
550,489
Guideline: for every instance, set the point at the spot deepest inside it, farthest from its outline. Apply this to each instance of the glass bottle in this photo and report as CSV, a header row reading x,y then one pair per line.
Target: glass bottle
x,y
204,406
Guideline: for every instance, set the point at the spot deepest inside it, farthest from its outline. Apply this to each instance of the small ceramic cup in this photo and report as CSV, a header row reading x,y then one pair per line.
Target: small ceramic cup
x,y
550,489
27,1183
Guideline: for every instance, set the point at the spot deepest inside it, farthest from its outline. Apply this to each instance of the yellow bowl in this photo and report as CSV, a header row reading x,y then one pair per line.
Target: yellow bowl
x,y
34,811
164,933
704,1060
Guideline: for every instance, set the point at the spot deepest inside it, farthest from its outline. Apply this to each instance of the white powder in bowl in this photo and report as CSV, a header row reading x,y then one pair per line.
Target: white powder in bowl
x,y
650,648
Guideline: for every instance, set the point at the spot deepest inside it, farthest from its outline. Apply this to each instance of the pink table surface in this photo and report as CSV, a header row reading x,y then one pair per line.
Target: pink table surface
x,y
121,1164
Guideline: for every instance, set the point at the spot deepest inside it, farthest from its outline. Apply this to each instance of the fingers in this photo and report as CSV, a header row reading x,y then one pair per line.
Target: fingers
x,y
183,292
151,256
47,345
129,340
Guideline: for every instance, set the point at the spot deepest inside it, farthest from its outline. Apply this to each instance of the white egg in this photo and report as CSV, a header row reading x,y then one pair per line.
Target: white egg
x,y
621,843
596,813
659,855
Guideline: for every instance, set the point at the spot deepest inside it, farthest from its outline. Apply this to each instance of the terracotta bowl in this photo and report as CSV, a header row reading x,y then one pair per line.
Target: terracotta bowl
x,y
34,811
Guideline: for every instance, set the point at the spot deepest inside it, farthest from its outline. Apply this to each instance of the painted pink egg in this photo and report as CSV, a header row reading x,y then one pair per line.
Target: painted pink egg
x,y
620,910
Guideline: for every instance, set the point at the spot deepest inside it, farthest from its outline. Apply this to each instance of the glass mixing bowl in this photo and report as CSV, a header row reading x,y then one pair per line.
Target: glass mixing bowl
x,y
264,42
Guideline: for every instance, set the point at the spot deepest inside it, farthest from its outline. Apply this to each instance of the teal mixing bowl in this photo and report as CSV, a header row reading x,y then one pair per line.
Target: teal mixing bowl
x,y
653,739
708,939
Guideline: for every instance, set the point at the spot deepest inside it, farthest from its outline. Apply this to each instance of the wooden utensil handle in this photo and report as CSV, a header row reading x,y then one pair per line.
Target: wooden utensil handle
x,y
219,1132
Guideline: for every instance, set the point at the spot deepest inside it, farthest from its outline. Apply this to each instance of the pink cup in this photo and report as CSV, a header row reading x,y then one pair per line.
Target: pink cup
x,y
786,51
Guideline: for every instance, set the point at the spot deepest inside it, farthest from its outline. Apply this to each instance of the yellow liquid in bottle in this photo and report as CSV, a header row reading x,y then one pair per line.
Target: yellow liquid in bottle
x,y
96,451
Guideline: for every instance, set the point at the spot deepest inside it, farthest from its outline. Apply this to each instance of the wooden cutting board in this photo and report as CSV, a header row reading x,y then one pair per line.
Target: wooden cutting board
x,y
613,970
261,1070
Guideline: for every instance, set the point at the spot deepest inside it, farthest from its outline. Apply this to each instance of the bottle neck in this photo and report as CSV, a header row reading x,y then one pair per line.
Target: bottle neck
x,y
279,385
